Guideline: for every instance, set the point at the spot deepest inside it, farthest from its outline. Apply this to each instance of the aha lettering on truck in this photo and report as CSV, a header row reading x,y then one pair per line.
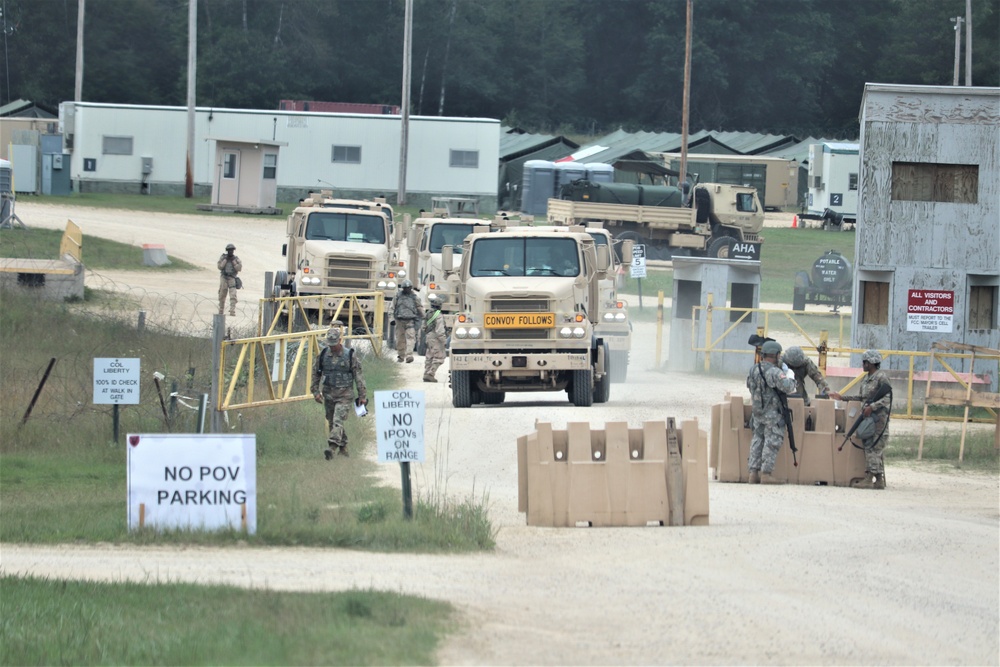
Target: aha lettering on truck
x,y
527,315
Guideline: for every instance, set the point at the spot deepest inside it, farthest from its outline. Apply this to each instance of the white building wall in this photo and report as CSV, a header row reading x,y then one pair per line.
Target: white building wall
x,y
305,163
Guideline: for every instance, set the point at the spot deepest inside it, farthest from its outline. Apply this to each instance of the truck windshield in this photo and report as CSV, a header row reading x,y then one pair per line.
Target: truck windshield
x,y
744,203
525,256
453,235
342,226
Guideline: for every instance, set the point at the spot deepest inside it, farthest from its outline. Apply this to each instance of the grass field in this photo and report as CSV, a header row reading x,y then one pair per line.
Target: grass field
x,y
97,253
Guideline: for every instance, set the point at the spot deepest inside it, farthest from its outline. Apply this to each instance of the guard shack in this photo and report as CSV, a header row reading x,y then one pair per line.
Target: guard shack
x,y
245,177
718,332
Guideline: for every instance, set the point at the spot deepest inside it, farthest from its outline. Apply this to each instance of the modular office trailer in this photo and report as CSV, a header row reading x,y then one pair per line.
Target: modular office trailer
x,y
128,148
833,181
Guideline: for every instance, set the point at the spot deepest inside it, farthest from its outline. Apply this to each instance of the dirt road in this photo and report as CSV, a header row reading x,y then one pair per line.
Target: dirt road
x,y
782,575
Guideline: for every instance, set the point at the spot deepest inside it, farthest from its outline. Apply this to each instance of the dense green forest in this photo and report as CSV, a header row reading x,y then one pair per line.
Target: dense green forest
x,y
566,66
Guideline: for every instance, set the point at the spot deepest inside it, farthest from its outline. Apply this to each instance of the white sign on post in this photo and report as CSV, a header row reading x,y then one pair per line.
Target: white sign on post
x,y
116,381
399,422
638,268
192,481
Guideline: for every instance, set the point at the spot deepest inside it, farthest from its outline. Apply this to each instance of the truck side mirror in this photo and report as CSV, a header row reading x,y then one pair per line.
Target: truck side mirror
x,y
447,259
603,258
411,237
627,247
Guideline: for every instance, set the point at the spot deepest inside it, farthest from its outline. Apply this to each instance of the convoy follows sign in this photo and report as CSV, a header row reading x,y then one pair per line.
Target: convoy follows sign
x,y
932,311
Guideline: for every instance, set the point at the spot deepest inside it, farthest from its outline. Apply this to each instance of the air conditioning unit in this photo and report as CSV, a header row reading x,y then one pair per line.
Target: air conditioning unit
x,y
817,182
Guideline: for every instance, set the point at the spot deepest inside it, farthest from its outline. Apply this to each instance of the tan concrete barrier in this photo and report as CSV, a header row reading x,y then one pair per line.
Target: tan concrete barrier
x,y
820,462
615,476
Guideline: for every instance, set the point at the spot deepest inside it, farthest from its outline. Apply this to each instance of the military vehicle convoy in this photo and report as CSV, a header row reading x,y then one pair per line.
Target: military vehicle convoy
x,y
337,246
714,219
528,310
614,326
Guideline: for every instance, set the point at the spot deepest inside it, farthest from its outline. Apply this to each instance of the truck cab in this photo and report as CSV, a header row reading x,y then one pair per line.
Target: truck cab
x,y
528,311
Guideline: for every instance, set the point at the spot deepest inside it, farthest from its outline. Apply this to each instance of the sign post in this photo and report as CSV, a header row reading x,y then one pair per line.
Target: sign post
x,y
116,382
638,268
399,424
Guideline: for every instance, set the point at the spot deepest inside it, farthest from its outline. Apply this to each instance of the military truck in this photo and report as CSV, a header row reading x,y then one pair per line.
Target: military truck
x,y
712,219
336,246
528,308
614,326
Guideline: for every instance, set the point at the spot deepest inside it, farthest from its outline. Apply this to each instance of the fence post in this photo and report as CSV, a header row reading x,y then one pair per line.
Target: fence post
x,y
218,324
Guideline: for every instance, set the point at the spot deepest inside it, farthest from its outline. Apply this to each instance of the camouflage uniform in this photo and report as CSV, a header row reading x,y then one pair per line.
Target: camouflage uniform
x,y
436,338
764,382
408,313
880,412
337,373
229,267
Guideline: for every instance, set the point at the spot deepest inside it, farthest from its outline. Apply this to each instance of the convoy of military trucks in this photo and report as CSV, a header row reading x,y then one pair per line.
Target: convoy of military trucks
x,y
528,306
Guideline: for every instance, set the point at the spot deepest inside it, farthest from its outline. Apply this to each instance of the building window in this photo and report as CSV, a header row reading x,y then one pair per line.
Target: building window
x,y
116,145
852,181
229,166
874,302
348,154
270,166
466,159
982,306
953,183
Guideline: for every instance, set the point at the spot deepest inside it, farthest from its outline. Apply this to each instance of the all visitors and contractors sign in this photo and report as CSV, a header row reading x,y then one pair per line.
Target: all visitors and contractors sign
x,y
931,311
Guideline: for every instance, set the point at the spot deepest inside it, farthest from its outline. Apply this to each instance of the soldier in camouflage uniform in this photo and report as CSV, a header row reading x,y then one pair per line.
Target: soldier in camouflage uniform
x,y
408,314
802,366
335,372
764,381
436,338
871,362
229,267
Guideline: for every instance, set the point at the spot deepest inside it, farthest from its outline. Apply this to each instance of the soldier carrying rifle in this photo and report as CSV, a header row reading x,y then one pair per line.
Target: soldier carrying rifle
x,y
768,383
873,424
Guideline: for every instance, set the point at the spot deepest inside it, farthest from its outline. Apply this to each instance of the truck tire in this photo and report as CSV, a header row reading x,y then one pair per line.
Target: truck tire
x,y
461,389
582,390
619,365
721,247
799,299
493,397
602,387
281,279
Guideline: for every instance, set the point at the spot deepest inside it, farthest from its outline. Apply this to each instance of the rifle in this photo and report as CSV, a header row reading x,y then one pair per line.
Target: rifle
x,y
786,415
880,392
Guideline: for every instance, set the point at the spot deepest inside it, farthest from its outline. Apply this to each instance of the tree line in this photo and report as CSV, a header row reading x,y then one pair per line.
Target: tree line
x,y
578,67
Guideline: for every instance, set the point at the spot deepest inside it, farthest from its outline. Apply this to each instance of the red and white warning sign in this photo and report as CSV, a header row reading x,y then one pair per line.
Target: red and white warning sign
x,y
928,310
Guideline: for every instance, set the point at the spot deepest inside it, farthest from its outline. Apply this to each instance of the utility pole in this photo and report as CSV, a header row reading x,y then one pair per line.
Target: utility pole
x,y
687,95
968,42
81,7
192,80
404,133
958,46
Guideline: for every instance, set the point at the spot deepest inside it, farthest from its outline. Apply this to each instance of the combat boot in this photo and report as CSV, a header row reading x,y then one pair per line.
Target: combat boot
x,y
399,359
429,378
328,454
754,477
768,478
409,359
863,482
879,481
343,451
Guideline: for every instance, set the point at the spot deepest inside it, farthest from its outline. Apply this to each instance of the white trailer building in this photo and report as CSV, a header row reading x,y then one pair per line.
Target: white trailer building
x,y
927,251
128,148
833,183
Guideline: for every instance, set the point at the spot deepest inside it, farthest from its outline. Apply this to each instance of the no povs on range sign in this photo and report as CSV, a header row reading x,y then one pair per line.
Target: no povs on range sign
x,y
928,310
399,423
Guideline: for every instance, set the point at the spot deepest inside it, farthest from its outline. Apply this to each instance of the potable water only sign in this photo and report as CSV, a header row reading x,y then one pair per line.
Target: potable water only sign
x,y
399,425
116,381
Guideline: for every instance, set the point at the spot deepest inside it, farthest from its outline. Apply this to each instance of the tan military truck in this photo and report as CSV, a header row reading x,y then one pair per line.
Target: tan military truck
x,y
336,246
714,220
614,327
528,308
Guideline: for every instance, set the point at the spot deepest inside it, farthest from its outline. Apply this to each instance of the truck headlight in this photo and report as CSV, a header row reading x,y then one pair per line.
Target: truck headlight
x,y
565,332
401,273
620,317
382,284
461,332
474,332
391,284
579,332
608,317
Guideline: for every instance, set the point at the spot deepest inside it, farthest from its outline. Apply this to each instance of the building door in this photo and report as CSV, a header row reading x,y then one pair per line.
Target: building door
x,y
228,185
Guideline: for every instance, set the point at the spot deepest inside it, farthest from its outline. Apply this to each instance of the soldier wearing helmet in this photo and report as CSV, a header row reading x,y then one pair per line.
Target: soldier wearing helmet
x,y
802,366
407,313
435,337
336,372
878,410
229,281
764,381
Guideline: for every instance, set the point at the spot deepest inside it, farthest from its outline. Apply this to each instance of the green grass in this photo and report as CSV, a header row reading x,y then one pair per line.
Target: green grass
x,y
979,453
48,622
97,253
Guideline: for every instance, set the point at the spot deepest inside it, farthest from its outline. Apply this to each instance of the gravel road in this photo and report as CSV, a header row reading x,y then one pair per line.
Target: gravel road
x,y
782,575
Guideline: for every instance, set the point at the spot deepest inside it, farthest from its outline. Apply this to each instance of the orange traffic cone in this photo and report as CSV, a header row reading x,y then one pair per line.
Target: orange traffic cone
x,y
795,221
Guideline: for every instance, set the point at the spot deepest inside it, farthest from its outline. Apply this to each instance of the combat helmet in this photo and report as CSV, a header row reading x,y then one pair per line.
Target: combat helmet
x,y
406,284
771,347
435,301
230,246
794,356
872,357
333,336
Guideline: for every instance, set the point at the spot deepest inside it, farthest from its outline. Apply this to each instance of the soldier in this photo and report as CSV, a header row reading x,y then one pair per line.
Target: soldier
x,y
334,373
871,362
802,366
229,281
435,337
765,380
407,312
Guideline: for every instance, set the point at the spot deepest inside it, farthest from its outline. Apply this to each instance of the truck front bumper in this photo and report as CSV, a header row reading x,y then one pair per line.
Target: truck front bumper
x,y
528,363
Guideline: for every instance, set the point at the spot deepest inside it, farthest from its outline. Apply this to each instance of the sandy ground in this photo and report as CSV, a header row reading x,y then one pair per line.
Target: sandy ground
x,y
782,575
